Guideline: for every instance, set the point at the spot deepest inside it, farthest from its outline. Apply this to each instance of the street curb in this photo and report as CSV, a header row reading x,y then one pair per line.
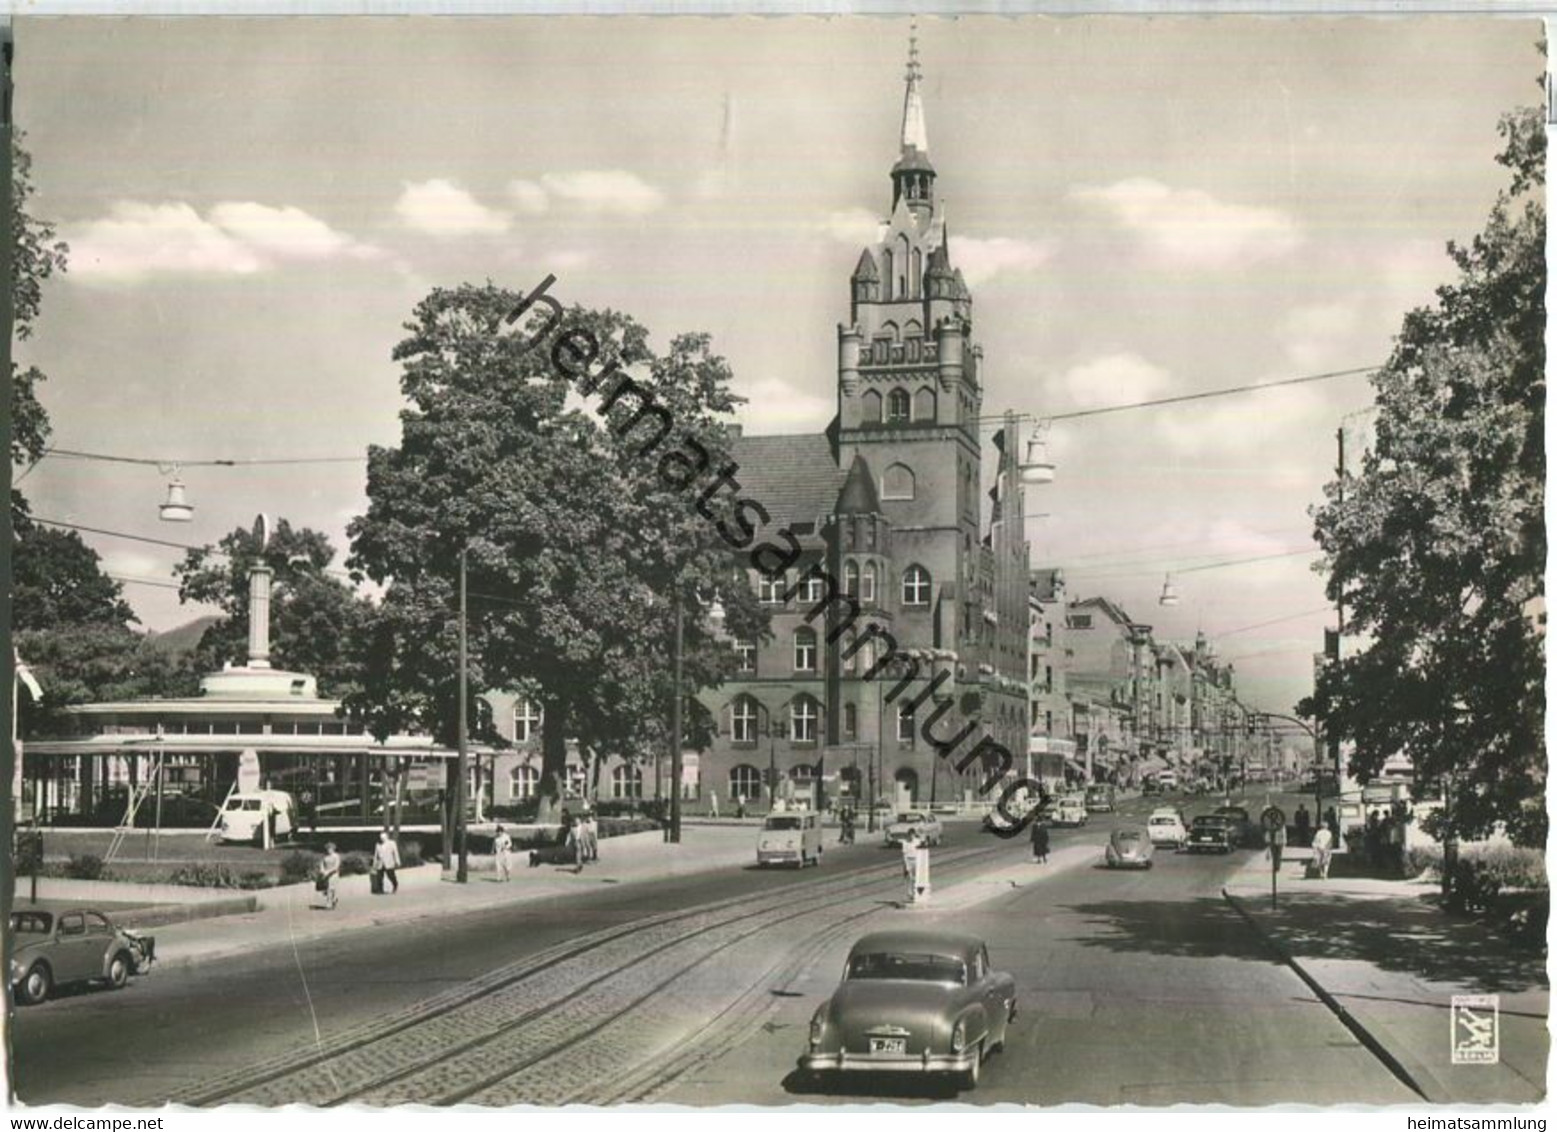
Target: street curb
x,y
1435,1095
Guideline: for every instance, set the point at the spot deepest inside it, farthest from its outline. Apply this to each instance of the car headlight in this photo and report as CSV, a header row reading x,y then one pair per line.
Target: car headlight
x,y
817,1025
959,1036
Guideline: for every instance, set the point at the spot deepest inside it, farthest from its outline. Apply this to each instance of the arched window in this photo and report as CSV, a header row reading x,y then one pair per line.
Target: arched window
x,y
626,782
908,784
905,723
743,720
924,404
523,782
913,279
899,406
870,407
886,275
803,715
851,579
745,782
805,650
902,264
851,721
527,721
916,586
898,482
868,582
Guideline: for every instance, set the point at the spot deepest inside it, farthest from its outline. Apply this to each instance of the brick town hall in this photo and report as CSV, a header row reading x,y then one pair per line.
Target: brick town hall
x,y
891,498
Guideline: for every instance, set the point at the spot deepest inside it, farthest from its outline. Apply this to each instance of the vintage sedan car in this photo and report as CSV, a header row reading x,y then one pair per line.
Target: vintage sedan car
x,y
1166,827
913,1002
1071,810
1212,833
928,825
1129,847
51,949
1245,832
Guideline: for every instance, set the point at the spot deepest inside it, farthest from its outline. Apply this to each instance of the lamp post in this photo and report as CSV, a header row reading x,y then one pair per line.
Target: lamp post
x,y
675,729
462,870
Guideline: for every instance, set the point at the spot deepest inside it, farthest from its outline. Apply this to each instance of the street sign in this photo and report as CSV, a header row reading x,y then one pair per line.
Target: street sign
x,y
1273,818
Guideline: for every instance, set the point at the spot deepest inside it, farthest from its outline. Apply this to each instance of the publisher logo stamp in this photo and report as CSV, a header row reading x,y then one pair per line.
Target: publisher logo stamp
x,y
1473,1029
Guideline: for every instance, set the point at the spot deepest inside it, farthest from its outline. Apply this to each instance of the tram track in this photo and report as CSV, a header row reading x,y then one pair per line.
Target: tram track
x,y
463,1045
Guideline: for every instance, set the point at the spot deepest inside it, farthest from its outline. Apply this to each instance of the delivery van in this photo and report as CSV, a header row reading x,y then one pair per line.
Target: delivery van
x,y
792,838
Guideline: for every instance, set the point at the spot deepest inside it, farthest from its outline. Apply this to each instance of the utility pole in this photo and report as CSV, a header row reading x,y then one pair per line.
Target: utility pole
x,y
462,870
1334,735
675,728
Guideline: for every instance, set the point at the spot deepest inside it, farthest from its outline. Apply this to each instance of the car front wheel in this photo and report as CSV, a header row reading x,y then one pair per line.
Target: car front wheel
x,y
37,984
969,1077
119,971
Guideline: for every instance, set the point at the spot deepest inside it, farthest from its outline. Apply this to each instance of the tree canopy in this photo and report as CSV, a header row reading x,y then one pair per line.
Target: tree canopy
x,y
35,256
316,618
576,534
58,581
1437,547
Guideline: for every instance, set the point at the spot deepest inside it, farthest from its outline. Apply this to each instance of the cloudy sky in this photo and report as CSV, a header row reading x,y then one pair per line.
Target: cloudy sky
x,y
1143,208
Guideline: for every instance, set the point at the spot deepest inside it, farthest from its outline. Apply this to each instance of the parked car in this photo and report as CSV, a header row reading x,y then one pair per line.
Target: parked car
x,y
913,1002
1166,827
245,814
1212,832
1245,831
928,825
1071,810
1100,798
1128,848
793,838
80,945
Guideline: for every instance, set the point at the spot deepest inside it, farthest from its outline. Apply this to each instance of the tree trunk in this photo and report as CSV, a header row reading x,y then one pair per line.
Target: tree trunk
x,y
554,761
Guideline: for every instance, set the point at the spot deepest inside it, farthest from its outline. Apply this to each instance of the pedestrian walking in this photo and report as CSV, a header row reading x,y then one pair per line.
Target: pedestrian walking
x,y
1303,824
330,874
1323,843
740,807
1040,838
1334,825
591,836
910,846
502,848
575,844
386,861
846,826
713,804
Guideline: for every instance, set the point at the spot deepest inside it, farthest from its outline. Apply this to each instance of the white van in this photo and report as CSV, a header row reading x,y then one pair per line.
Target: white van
x,y
244,816
790,838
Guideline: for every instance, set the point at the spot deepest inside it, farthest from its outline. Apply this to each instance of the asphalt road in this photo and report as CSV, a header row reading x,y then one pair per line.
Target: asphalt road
x,y
1137,988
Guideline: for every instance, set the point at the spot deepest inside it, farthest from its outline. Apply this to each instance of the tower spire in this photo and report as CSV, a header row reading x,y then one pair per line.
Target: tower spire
x,y
914,134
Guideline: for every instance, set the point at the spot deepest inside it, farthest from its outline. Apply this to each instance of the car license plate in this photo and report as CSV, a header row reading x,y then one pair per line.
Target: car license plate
x,y
889,1045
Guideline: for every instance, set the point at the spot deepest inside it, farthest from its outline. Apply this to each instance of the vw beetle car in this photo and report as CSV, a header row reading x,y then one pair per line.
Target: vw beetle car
x,y
1166,827
76,946
1128,848
1071,811
928,825
922,1002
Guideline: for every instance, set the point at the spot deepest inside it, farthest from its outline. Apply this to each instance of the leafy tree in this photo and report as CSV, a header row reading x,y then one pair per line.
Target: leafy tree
x,y
58,582
35,256
576,535
315,618
1437,548
87,662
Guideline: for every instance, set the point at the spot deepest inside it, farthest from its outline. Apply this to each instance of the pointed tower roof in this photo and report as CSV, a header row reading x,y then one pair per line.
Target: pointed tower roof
x,y
914,134
858,496
865,271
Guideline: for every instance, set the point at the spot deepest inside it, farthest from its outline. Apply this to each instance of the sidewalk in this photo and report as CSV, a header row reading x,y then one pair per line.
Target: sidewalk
x,y
295,913
1387,955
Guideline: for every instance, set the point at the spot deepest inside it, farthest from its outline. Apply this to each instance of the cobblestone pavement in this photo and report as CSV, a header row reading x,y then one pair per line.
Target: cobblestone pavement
x,y
569,1022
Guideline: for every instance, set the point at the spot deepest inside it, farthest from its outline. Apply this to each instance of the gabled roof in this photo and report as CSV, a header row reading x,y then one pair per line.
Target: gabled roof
x,y
865,271
795,478
1108,607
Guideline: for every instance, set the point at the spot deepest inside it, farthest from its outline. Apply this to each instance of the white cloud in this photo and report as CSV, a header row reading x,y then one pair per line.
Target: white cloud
x,y
1115,379
441,208
853,226
980,259
1271,425
1321,335
614,191
774,405
568,259
528,197
711,184
136,240
1189,228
